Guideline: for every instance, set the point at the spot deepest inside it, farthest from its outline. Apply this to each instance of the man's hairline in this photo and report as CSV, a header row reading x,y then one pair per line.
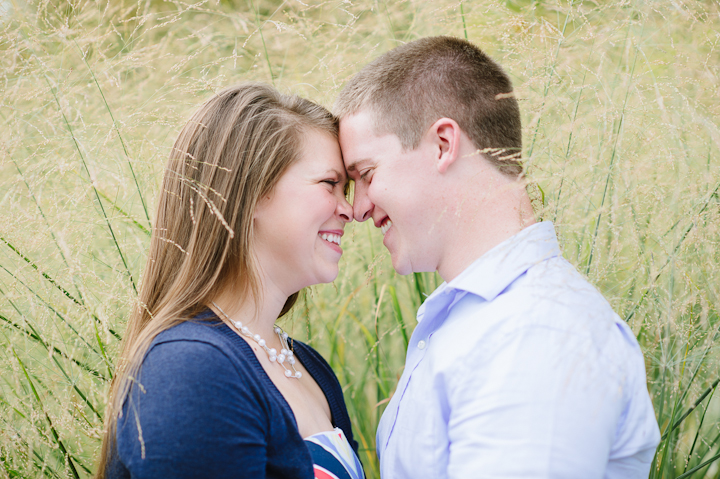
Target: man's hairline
x,y
375,121
352,167
367,106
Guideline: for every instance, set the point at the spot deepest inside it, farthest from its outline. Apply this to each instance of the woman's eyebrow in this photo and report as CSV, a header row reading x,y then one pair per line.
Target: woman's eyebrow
x,y
340,174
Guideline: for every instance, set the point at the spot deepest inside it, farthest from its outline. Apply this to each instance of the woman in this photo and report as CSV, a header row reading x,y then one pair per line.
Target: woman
x,y
251,210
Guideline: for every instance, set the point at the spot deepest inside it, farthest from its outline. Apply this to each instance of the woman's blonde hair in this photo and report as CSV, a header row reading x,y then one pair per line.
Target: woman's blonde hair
x,y
231,153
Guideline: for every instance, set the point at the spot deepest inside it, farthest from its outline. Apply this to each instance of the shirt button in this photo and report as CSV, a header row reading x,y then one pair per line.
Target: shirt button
x,y
421,344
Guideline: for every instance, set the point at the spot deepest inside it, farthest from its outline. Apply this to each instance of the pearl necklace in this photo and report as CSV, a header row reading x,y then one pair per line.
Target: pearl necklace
x,y
286,353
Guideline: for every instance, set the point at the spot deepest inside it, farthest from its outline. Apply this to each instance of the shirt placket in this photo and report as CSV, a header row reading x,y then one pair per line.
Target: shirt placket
x,y
430,315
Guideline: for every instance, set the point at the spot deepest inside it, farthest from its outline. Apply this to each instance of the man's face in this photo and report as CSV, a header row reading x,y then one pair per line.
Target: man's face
x,y
393,187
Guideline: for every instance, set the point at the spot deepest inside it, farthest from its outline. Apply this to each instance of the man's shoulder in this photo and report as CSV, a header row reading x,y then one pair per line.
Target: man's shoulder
x,y
550,298
548,290
553,293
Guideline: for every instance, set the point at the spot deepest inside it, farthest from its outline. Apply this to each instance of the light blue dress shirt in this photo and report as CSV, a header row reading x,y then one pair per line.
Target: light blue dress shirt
x,y
519,368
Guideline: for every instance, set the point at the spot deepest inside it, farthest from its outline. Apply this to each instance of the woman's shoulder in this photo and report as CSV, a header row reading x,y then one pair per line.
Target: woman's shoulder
x,y
203,327
193,367
204,339
196,390
199,328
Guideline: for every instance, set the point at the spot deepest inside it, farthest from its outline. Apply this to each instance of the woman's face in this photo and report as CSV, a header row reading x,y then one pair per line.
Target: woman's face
x,y
299,225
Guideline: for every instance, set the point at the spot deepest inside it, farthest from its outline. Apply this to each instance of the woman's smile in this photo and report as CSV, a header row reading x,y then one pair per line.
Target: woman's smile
x,y
298,227
332,239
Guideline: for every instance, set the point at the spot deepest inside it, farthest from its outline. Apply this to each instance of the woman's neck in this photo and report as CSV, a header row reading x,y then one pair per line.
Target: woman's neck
x,y
258,316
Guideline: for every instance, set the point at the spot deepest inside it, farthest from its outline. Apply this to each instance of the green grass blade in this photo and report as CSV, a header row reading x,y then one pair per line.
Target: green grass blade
x,y
114,206
399,315
42,273
262,37
550,73
97,195
108,363
675,250
48,306
55,434
699,428
47,223
697,468
33,334
568,148
612,164
117,130
80,302
419,288
699,401
462,14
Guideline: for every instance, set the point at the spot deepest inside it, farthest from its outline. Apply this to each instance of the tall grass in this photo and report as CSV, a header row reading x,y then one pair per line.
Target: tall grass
x,y
620,100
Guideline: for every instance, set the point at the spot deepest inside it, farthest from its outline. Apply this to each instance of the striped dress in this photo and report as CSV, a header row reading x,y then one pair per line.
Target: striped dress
x,y
332,456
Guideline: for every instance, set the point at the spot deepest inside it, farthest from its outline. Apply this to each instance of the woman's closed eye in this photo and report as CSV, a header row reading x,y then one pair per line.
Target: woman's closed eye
x,y
343,183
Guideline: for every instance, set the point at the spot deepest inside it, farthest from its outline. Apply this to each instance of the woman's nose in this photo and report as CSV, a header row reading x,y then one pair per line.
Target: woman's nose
x,y
345,210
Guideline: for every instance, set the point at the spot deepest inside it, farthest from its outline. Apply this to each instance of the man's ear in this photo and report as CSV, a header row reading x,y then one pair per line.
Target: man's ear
x,y
445,134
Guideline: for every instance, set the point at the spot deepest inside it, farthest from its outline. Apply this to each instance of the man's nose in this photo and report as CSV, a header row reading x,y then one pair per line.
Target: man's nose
x,y
362,206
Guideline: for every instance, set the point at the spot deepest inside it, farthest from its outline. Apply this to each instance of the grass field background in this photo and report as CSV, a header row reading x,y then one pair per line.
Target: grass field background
x,y
621,109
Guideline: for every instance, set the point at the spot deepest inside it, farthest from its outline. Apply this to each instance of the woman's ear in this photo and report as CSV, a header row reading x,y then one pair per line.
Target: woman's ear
x,y
445,134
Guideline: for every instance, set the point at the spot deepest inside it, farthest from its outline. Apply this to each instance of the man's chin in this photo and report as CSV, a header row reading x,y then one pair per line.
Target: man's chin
x,y
401,267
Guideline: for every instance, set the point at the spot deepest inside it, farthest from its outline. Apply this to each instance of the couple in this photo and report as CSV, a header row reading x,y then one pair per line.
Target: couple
x,y
517,368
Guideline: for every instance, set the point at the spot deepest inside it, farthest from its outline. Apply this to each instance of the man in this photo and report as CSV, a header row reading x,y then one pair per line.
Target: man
x,y
518,367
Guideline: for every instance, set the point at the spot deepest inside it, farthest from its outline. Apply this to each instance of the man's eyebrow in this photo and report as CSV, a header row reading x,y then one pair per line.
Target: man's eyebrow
x,y
353,166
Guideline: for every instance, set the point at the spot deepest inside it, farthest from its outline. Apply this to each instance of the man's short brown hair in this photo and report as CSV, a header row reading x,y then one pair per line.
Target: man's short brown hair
x,y
410,87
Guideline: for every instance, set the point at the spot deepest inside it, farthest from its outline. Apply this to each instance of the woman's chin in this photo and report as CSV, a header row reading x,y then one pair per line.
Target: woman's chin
x,y
327,276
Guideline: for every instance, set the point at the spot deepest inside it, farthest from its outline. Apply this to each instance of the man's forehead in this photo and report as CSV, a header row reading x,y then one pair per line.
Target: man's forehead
x,y
362,136
362,122
355,137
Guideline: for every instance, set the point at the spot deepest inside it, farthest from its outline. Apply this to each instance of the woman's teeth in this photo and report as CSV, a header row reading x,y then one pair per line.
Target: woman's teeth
x,y
385,226
331,238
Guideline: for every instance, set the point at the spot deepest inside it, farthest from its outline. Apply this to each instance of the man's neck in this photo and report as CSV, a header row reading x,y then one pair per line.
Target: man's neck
x,y
496,216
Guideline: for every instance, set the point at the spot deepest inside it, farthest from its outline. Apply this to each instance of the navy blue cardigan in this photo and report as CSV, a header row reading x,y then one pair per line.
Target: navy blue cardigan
x,y
206,408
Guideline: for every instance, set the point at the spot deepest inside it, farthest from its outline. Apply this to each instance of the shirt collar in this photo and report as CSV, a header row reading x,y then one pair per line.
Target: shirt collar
x,y
494,271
